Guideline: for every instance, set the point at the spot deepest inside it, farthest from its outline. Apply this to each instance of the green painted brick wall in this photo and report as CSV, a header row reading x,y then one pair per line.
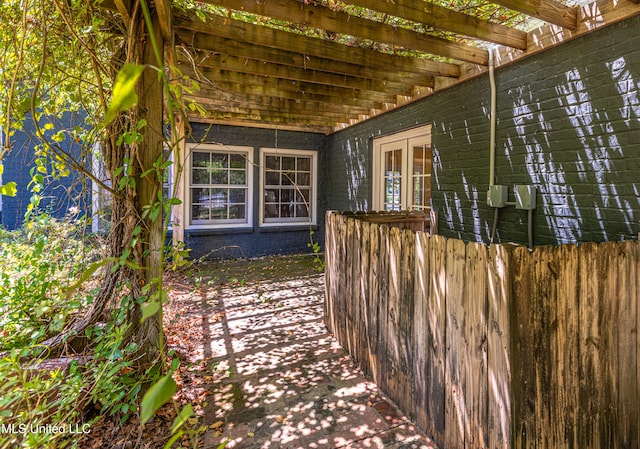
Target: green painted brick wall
x,y
568,124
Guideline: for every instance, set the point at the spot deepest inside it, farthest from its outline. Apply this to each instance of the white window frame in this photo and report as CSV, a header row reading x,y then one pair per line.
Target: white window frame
x,y
313,195
402,140
215,224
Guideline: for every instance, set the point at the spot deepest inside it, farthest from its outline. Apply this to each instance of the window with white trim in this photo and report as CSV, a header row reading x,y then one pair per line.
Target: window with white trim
x,y
402,171
220,183
288,186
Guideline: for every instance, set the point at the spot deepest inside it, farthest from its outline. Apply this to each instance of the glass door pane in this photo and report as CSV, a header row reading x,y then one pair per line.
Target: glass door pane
x,y
392,179
421,177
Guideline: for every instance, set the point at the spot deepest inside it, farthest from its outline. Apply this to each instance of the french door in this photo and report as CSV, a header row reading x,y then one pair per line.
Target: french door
x,y
402,171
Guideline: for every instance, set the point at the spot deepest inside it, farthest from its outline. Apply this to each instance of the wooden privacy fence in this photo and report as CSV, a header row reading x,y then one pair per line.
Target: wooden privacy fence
x,y
492,347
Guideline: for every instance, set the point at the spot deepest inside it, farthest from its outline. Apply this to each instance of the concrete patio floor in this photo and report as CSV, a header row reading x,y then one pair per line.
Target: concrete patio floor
x,y
281,381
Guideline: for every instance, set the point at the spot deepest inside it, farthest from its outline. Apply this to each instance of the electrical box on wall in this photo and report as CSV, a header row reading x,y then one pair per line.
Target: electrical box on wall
x,y
497,196
525,197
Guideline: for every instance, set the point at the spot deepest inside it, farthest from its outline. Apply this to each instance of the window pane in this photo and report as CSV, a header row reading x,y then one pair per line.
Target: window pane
x,y
200,159
397,162
288,163
237,196
200,176
238,161
219,160
219,213
287,179
272,195
302,211
199,195
304,179
272,178
286,210
418,191
304,164
286,195
199,212
272,163
304,197
236,212
237,177
219,177
270,211
418,160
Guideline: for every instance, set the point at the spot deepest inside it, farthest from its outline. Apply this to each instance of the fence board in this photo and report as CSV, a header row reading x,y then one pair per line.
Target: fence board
x,y
607,292
372,311
383,311
405,319
498,351
628,399
349,309
365,298
455,411
436,308
565,377
398,383
522,354
497,347
474,331
420,338
590,375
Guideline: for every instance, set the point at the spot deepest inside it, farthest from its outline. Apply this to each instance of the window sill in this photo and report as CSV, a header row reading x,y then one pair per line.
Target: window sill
x,y
219,231
266,228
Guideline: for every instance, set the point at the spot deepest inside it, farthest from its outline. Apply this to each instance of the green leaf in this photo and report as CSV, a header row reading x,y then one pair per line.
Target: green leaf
x,y
173,439
149,309
182,418
159,394
124,91
9,189
87,274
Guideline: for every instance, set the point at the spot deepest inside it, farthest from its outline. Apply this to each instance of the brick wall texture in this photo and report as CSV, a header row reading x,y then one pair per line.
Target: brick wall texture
x,y
568,123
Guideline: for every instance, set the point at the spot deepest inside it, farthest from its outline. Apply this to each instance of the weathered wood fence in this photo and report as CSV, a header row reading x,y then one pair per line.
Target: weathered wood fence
x,y
492,347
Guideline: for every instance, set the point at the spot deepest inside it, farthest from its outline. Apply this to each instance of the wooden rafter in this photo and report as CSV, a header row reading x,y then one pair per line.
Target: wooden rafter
x,y
252,74
445,19
342,23
269,37
550,11
217,47
252,66
165,17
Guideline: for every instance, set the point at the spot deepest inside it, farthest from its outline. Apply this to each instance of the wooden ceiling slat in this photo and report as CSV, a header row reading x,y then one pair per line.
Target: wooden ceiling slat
x,y
219,46
225,89
550,11
446,19
269,37
254,67
278,118
342,23
214,76
275,103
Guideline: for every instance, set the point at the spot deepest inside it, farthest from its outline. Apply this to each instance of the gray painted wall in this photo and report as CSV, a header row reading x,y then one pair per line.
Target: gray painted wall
x,y
568,123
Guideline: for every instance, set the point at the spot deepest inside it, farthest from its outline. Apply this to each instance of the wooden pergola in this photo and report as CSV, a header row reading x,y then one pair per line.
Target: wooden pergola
x,y
314,65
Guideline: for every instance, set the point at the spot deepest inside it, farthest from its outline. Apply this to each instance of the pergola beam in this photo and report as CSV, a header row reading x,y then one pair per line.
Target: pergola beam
x,y
445,19
253,67
218,47
269,37
333,21
550,11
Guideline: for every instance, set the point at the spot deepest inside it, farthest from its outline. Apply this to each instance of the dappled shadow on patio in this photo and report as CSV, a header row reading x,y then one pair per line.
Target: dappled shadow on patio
x,y
277,379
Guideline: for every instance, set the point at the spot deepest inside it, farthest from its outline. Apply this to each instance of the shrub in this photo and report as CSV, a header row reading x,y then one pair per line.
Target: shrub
x,y
39,263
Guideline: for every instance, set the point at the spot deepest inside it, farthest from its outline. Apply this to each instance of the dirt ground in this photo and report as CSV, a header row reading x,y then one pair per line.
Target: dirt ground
x,y
260,369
